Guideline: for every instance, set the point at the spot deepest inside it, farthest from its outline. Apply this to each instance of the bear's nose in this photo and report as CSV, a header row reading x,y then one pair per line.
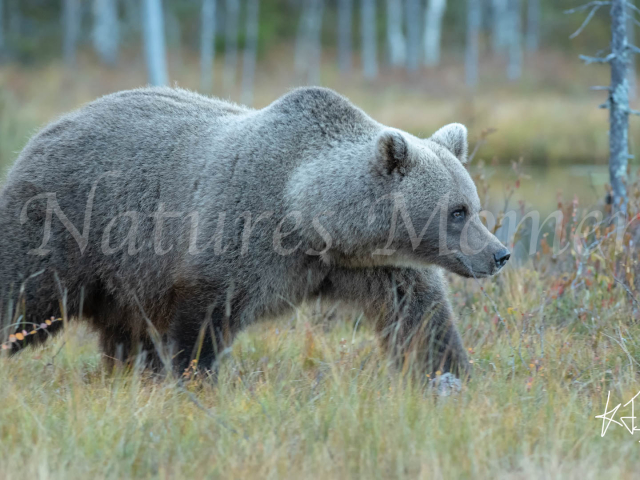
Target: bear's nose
x,y
502,257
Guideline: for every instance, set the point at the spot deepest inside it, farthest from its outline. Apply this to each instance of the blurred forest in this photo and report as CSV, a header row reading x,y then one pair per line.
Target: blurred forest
x,y
508,65
36,31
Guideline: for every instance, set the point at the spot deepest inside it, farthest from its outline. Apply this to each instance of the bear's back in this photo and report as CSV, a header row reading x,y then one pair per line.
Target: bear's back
x,y
146,127
165,101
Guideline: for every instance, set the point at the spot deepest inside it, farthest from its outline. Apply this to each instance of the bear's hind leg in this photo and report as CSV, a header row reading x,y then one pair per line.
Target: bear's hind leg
x,y
124,337
122,348
199,333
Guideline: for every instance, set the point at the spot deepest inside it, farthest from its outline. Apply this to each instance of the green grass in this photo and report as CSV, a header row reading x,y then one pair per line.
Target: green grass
x,y
312,397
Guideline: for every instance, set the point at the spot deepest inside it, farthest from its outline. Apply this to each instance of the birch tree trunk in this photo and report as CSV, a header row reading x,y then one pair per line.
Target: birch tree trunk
x,y
533,25
301,60
396,44
231,43
514,67
368,30
631,39
106,30
154,42
308,41
413,16
474,22
433,31
316,13
500,25
250,52
345,22
71,26
207,45
619,107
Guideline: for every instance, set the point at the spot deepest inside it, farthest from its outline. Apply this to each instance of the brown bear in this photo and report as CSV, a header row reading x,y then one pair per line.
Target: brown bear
x,y
170,220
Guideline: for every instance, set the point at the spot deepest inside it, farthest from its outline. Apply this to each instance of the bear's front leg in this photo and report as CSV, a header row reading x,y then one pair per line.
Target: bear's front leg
x,y
413,315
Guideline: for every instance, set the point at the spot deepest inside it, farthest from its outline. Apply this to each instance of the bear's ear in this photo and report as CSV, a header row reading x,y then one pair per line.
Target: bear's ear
x,y
454,138
392,152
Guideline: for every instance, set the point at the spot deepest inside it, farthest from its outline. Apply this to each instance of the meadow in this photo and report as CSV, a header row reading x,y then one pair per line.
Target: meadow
x,y
554,339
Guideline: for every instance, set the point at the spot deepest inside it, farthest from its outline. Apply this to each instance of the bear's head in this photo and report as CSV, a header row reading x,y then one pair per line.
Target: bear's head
x,y
435,205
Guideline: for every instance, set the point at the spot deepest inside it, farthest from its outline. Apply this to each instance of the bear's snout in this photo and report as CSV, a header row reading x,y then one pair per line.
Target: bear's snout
x,y
502,257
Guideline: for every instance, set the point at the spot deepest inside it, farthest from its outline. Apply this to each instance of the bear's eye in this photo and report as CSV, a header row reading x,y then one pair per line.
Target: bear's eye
x,y
458,214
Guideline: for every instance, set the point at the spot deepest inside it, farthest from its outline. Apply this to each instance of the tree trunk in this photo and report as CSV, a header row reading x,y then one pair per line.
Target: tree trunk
x,y
514,67
207,44
631,39
315,42
154,42
106,30
368,30
250,52
71,25
533,25
301,59
433,31
619,107
413,16
500,25
345,22
231,43
396,43
308,41
474,21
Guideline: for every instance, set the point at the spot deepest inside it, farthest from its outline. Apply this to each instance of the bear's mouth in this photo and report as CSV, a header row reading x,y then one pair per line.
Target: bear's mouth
x,y
468,271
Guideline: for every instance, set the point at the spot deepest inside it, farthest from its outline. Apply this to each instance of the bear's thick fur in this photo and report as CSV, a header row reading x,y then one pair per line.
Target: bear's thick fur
x,y
160,215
